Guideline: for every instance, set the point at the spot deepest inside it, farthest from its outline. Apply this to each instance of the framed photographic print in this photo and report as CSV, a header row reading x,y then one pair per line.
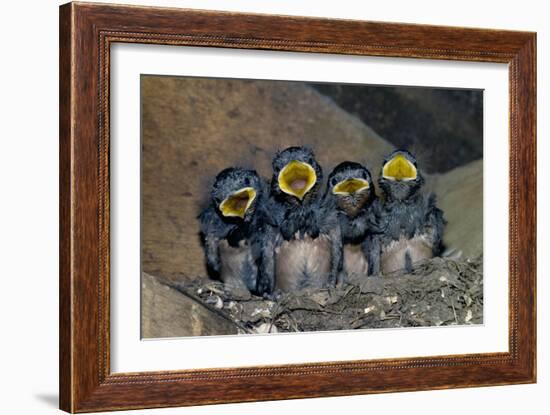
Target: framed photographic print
x,y
260,207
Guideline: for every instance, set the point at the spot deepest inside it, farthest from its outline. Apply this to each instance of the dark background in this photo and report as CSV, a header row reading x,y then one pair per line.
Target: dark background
x,y
444,127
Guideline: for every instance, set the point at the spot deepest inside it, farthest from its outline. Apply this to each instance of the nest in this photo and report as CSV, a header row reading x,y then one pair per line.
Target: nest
x,y
440,291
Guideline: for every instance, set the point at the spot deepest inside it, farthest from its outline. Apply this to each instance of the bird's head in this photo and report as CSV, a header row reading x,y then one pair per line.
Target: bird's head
x,y
236,192
400,177
350,184
296,174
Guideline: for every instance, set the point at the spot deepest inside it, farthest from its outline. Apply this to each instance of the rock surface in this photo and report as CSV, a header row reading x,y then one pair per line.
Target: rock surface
x,y
168,313
460,195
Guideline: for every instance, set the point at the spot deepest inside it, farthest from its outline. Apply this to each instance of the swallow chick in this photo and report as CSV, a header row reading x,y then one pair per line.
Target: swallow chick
x,y
413,224
233,228
350,190
308,243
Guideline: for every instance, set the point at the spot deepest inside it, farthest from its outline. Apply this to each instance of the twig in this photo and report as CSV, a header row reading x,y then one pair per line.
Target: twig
x,y
273,316
452,304
323,310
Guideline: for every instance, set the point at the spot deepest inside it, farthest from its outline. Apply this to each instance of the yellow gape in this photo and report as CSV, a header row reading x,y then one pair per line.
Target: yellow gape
x,y
238,203
399,168
350,186
297,178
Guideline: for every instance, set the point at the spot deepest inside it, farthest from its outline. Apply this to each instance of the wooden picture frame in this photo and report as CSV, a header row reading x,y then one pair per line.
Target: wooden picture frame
x,y
86,33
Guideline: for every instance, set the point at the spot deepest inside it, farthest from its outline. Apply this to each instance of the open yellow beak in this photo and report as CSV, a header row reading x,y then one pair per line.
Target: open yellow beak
x,y
297,178
399,168
238,203
350,186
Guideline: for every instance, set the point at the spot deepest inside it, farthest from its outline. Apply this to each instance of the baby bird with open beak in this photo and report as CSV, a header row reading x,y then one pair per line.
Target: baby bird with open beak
x,y
350,191
413,225
234,227
308,243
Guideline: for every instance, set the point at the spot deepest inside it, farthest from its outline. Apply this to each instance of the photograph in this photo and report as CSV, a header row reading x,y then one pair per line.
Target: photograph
x,y
274,206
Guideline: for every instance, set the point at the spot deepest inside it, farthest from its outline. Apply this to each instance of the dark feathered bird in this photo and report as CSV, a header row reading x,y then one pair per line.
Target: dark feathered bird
x,y
234,228
308,243
350,191
413,225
